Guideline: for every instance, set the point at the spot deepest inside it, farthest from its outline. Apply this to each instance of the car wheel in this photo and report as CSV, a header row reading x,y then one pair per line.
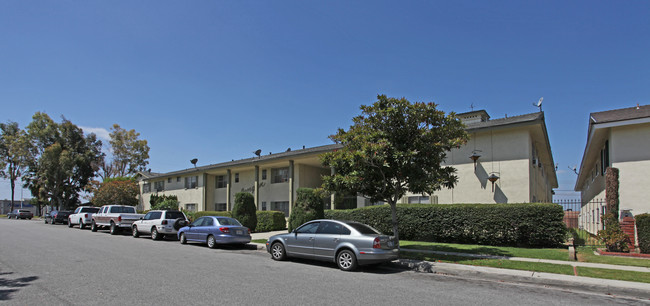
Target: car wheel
x,y
182,238
45,220
346,260
69,223
81,224
93,226
114,229
277,251
135,232
154,234
212,243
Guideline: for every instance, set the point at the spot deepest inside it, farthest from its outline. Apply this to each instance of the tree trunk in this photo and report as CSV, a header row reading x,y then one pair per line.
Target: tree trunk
x,y
13,186
393,212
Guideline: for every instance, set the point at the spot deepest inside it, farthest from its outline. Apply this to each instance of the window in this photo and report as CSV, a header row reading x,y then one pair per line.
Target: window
x,y
122,210
363,229
280,175
208,222
330,228
174,215
264,174
604,158
169,180
146,188
236,177
198,222
348,202
263,206
228,221
220,207
281,206
221,181
159,186
154,215
418,200
190,207
191,182
308,228
178,179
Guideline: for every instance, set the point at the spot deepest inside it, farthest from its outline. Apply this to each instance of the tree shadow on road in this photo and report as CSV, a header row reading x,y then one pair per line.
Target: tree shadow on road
x,y
11,286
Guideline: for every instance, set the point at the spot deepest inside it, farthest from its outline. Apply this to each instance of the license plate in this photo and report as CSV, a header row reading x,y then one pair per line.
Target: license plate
x,y
390,244
238,232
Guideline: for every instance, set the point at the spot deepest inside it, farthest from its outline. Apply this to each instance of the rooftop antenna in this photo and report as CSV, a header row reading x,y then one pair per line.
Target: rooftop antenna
x,y
574,169
539,104
194,161
258,152
471,106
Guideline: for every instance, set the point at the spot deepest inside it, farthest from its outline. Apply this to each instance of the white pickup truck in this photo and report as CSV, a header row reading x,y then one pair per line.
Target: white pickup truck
x,y
115,217
83,216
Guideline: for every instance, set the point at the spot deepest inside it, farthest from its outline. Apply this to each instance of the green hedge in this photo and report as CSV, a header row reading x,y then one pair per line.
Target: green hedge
x,y
643,232
270,221
266,220
527,225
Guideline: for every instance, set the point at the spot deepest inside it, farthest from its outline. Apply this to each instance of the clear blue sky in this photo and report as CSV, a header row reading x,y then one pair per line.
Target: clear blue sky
x,y
216,80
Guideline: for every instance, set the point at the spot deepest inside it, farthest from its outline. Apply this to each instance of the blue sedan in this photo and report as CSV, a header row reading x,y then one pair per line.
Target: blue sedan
x,y
215,230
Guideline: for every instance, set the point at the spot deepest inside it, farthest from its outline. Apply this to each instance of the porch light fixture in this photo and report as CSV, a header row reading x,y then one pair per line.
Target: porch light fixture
x,y
493,178
475,156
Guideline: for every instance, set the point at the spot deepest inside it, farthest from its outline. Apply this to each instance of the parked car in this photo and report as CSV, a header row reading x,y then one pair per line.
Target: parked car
x,y
82,216
115,217
20,213
347,243
159,223
57,216
214,231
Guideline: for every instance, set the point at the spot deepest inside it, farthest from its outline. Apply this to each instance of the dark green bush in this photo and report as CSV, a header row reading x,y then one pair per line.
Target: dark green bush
x,y
270,221
155,201
199,214
245,210
309,206
643,232
613,236
526,225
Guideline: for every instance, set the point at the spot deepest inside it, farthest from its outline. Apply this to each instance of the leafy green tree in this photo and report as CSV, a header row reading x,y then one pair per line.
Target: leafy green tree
x,y
160,202
62,160
393,147
14,152
309,206
245,210
130,154
117,191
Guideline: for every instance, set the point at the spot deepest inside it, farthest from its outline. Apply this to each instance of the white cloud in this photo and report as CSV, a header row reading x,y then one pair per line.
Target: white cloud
x,y
101,133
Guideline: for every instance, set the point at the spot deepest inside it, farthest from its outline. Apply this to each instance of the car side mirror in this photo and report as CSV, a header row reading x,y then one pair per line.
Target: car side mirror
x,y
141,218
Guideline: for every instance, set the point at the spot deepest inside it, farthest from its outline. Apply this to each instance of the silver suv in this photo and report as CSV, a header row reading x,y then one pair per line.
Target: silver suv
x,y
159,223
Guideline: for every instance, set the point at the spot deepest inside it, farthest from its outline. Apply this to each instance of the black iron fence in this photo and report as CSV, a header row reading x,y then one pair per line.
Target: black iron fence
x,y
583,220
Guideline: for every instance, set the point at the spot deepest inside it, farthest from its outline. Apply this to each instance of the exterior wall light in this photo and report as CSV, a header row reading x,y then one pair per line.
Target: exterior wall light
x,y
493,178
475,156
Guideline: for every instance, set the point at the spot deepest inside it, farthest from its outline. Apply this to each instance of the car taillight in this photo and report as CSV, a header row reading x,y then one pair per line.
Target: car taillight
x,y
119,219
249,230
164,222
224,230
376,244
85,216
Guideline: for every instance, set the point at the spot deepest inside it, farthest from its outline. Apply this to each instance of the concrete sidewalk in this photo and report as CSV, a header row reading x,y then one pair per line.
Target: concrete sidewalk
x,y
266,235
556,262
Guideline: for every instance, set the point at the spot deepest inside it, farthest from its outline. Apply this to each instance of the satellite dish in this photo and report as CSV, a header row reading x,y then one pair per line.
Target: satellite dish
x,y
539,103
194,161
258,152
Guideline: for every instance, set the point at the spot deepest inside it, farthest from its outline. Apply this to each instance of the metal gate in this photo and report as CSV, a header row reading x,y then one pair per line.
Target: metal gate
x,y
583,220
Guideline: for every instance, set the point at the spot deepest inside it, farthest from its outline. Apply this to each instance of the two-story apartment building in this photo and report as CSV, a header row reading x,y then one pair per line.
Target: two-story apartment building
x,y
507,160
617,138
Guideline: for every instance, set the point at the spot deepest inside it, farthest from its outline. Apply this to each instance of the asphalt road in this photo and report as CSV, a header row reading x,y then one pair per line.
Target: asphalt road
x,y
54,265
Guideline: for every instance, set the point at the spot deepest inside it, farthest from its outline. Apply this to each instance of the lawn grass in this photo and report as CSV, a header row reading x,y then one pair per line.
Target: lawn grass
x,y
586,254
643,277
555,254
262,241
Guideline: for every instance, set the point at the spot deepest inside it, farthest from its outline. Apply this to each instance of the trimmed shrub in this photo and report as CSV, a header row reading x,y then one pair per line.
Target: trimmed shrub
x,y
643,232
211,213
613,236
309,206
270,221
166,204
523,225
245,211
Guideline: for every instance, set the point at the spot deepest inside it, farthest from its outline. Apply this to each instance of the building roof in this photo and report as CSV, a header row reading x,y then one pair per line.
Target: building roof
x,y
242,162
636,112
527,118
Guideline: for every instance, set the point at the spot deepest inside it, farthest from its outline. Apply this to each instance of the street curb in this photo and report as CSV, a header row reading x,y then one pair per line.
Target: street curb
x,y
559,281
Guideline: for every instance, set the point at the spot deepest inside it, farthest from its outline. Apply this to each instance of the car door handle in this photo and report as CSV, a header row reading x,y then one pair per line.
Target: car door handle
x,y
336,239
311,238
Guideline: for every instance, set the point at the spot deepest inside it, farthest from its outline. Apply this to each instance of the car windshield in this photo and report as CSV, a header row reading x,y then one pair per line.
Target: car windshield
x,y
228,221
364,229
174,215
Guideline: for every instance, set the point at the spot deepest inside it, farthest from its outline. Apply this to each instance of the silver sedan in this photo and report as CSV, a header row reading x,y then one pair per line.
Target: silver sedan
x,y
347,243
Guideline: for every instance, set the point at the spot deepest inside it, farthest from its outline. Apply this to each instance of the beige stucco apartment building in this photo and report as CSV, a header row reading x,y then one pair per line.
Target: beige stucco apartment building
x,y
514,149
621,139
